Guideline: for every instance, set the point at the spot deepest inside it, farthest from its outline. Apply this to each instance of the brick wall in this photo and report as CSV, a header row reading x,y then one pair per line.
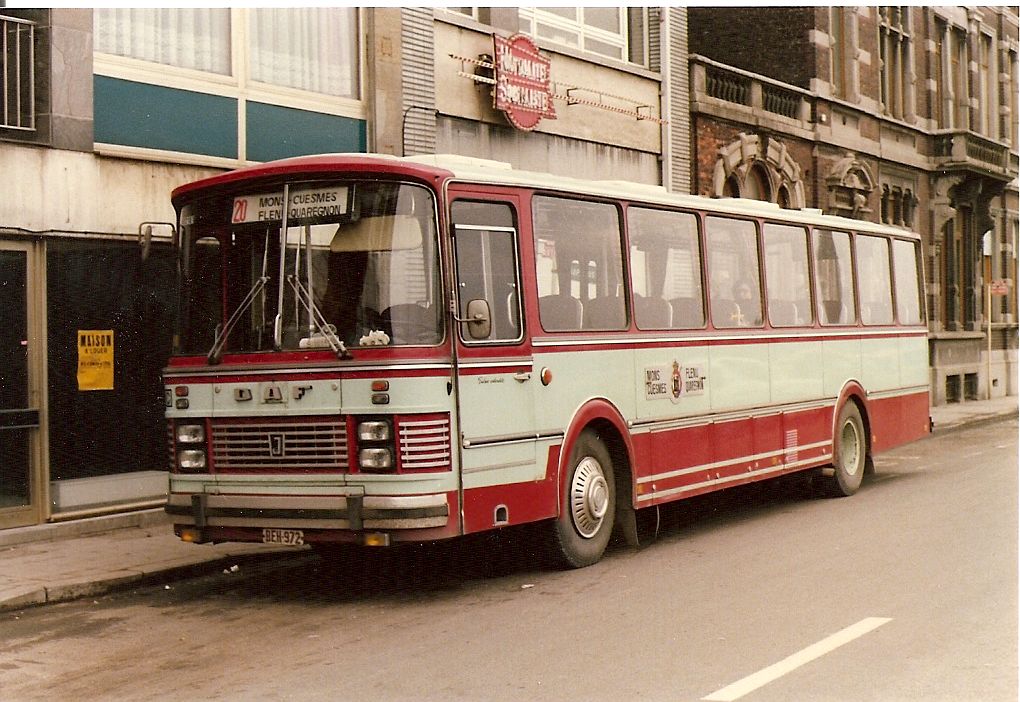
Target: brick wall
x,y
769,41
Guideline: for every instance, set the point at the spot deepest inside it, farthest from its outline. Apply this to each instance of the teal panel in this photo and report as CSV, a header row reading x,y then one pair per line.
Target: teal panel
x,y
279,132
155,117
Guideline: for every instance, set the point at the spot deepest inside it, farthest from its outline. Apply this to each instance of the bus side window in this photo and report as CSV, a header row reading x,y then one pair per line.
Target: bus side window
x,y
486,250
834,282
906,266
734,281
578,265
873,283
786,275
665,269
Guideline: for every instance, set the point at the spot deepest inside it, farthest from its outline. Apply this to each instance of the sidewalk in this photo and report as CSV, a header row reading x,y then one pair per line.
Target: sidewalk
x,y
87,557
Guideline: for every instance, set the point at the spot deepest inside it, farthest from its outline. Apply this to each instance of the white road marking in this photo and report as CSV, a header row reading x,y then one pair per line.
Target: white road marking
x,y
777,670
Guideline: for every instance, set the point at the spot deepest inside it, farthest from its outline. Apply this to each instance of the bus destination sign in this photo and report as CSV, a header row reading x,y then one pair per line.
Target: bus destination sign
x,y
523,88
304,205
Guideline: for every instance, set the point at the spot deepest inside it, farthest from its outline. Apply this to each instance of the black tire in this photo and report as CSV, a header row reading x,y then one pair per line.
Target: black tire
x,y
588,508
849,453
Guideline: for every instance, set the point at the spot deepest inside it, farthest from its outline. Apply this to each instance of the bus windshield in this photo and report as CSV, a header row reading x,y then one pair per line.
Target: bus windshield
x,y
352,264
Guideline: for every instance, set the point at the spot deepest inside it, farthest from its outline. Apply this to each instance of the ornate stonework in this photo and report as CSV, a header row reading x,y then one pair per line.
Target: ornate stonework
x,y
752,155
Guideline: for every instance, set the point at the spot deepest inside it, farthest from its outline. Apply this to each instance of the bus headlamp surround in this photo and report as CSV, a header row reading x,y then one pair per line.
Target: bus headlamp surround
x,y
191,455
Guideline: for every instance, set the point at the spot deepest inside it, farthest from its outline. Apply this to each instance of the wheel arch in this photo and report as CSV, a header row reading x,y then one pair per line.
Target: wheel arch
x,y
605,419
854,392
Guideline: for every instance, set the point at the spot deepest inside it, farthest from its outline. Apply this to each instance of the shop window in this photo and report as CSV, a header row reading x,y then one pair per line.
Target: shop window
x,y
105,285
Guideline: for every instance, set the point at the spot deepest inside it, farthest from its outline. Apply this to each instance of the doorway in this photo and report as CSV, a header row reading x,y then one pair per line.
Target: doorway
x,y
22,486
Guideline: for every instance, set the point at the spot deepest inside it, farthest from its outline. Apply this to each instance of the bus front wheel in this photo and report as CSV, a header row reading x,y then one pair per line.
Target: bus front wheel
x,y
588,506
849,453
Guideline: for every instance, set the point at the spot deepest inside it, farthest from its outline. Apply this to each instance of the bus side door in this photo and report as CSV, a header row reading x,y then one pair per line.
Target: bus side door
x,y
494,363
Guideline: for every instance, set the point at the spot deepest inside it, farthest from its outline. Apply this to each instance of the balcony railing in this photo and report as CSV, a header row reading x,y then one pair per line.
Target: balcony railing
x,y
18,73
739,87
728,86
963,149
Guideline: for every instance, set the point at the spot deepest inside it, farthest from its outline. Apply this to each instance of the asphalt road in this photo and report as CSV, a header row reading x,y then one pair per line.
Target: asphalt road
x,y
906,591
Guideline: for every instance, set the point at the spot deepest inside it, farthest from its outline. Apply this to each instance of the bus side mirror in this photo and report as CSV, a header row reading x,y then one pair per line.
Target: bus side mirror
x,y
478,320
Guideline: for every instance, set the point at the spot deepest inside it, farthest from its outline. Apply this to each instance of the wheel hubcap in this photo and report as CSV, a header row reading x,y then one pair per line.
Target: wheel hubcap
x,y
850,448
589,497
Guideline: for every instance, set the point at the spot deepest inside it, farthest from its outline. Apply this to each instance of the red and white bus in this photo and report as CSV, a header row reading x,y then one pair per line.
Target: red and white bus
x,y
418,348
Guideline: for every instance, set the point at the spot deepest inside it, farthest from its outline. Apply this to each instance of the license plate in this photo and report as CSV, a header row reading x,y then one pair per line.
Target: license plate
x,y
286,537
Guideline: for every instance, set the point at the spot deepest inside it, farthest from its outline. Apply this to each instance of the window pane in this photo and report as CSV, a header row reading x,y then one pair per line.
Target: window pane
x,y
487,265
197,38
908,292
604,48
665,270
786,275
579,265
735,286
873,280
314,49
605,18
563,36
565,12
834,276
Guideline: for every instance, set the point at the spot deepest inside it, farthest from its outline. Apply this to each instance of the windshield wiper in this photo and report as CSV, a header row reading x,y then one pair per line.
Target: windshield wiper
x,y
325,330
221,334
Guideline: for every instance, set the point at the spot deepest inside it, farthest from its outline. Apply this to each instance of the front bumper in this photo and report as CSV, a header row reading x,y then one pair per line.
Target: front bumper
x,y
344,512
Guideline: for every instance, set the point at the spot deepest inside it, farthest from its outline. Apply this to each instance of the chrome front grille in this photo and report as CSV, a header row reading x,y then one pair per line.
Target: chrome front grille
x,y
425,443
300,444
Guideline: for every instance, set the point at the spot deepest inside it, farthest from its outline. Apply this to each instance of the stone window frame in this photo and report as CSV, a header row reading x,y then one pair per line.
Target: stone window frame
x,y
759,154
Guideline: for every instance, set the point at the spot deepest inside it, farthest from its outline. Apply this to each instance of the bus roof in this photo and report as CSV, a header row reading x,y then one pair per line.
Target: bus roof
x,y
320,164
441,168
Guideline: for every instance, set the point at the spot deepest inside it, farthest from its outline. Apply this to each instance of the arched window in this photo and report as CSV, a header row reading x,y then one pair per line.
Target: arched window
x,y
756,184
783,198
731,188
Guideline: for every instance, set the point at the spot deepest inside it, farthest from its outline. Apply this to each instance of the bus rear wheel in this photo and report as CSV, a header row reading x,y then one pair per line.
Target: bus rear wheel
x,y
849,453
588,507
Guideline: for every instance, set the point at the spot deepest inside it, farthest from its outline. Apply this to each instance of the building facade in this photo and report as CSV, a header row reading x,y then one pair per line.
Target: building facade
x,y
106,111
904,115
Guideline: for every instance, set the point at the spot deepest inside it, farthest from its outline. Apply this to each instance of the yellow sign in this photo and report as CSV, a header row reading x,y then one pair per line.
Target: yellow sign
x,y
95,359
